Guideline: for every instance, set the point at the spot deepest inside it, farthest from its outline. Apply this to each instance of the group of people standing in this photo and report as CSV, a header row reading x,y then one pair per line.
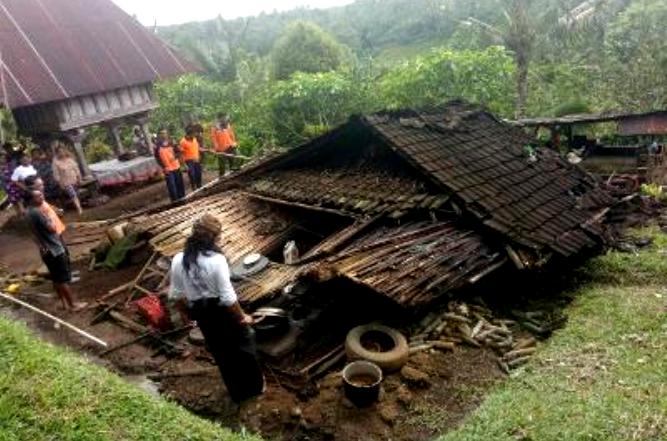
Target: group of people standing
x,y
58,171
189,151
28,180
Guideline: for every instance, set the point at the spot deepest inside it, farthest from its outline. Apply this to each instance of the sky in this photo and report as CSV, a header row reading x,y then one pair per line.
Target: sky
x,y
168,12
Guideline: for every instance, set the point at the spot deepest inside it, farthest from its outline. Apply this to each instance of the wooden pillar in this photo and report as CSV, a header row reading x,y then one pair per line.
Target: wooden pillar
x,y
142,122
77,137
114,129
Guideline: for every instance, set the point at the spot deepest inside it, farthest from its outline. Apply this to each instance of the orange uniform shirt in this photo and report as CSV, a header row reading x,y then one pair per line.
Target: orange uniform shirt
x,y
223,139
190,149
168,159
47,210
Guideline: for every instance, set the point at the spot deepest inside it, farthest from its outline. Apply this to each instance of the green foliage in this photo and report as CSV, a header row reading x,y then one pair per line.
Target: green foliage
x,y
636,48
416,53
308,104
305,47
97,150
190,97
7,124
655,191
571,107
478,76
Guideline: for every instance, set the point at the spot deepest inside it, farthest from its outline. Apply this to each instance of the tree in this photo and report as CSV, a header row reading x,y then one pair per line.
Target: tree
x,y
477,76
306,105
636,56
518,31
305,47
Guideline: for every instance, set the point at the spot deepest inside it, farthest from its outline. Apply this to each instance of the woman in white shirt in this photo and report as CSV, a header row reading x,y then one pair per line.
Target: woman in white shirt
x,y
200,280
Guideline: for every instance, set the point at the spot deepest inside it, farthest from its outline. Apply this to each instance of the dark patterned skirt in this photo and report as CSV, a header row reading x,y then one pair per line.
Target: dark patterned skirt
x,y
233,348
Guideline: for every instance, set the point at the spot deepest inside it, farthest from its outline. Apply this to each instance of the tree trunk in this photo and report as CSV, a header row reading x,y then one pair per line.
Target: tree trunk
x,y
521,87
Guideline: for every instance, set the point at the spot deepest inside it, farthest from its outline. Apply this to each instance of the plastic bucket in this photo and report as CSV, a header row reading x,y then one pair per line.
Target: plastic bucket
x,y
361,380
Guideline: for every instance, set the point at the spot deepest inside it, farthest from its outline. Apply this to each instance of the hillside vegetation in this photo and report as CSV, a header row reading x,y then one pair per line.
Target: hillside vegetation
x,y
286,77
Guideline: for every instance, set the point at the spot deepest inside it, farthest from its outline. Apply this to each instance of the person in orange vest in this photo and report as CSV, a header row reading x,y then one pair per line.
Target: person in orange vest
x,y
47,230
224,143
166,156
190,152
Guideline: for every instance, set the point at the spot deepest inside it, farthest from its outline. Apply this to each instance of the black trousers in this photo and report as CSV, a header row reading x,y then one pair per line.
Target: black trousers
x,y
233,348
194,174
175,186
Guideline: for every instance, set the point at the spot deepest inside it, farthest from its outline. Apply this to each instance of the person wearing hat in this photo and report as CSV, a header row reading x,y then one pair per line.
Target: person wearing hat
x,y
200,281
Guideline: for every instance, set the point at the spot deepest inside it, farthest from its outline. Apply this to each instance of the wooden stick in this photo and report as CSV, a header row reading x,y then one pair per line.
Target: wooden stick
x,y
55,319
115,291
322,359
138,279
296,204
229,155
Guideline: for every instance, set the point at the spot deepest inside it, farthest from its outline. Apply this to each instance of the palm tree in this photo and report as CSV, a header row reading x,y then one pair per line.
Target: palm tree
x,y
518,31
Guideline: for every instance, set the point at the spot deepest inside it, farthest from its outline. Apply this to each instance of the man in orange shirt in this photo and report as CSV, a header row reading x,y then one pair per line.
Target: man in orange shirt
x,y
191,155
47,229
224,144
170,166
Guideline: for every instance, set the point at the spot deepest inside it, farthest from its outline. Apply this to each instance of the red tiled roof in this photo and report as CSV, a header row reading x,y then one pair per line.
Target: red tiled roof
x,y
57,49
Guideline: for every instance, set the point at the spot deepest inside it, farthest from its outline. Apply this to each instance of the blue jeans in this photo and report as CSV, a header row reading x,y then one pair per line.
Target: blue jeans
x,y
175,186
194,173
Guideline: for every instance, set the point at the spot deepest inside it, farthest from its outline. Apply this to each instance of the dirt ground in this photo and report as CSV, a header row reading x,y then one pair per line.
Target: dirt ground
x,y
454,383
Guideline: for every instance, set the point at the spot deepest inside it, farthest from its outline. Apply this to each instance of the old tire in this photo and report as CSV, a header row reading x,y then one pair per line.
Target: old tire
x,y
389,360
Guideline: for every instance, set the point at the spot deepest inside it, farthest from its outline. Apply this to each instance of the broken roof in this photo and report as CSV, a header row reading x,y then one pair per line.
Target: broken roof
x,y
483,161
57,49
415,263
468,154
427,202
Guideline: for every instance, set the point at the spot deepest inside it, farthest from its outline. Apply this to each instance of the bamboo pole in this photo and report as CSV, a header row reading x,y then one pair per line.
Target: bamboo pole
x,y
54,318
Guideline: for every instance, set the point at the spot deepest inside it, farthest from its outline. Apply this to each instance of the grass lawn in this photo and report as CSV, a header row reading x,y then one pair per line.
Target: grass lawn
x,y
49,393
602,377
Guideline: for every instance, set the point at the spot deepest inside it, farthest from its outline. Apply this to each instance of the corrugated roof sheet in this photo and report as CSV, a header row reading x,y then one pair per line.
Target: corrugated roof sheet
x,y
586,118
56,49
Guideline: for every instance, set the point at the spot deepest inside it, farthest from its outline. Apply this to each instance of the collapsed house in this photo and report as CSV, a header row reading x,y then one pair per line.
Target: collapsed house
x,y
407,206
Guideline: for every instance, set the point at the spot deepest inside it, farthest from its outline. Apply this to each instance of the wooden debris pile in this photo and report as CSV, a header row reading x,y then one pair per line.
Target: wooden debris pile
x,y
474,325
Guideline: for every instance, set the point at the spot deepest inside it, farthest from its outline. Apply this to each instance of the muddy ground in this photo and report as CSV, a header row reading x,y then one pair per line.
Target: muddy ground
x,y
455,382
452,385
